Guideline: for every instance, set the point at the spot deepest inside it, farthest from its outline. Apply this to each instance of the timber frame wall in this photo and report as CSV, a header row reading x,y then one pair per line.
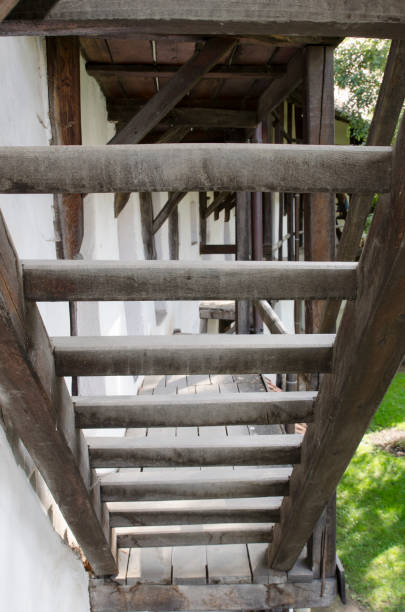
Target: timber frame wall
x,y
358,365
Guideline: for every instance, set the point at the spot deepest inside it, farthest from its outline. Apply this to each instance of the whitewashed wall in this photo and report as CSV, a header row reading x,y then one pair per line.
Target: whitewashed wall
x,y
38,571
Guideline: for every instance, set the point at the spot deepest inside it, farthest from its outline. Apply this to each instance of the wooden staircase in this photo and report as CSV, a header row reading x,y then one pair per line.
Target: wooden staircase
x,y
358,366
282,483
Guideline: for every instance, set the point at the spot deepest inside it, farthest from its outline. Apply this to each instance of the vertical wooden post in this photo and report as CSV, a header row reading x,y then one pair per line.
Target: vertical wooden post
x,y
243,250
319,244
257,231
319,211
202,198
63,67
268,199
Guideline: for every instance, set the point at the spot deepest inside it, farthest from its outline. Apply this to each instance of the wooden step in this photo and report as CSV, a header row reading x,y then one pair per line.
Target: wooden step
x,y
227,167
189,410
131,485
191,354
241,450
197,280
196,535
195,512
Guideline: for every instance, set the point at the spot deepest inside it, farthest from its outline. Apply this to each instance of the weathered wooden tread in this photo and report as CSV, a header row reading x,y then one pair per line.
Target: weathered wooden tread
x,y
70,280
238,450
132,485
195,512
106,596
195,167
195,535
189,410
191,354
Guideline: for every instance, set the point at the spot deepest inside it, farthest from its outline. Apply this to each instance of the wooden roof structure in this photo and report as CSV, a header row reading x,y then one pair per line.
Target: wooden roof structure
x,y
187,83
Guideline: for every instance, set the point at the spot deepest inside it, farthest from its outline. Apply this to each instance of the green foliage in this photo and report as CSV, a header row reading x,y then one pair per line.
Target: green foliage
x,y
359,68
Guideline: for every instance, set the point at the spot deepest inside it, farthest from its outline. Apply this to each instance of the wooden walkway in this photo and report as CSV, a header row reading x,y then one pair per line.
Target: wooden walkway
x,y
212,564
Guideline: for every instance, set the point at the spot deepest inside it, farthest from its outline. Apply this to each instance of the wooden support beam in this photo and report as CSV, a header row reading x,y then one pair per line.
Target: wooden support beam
x,y
386,19
243,239
220,71
144,537
388,108
215,249
124,109
227,167
6,6
36,10
218,200
319,209
148,238
244,450
193,354
38,405
271,320
369,347
174,199
194,484
78,280
186,411
195,512
63,68
173,91
281,88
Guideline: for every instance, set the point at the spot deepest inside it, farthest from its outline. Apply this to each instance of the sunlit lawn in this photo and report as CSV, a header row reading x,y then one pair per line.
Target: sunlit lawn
x,y
371,514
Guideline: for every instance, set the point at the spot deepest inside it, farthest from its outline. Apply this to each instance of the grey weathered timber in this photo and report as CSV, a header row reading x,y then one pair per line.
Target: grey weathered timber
x,y
194,484
173,91
172,202
46,280
191,354
195,167
281,88
389,104
220,71
196,535
107,596
243,239
188,411
369,347
385,19
143,452
271,319
195,512
38,405
124,109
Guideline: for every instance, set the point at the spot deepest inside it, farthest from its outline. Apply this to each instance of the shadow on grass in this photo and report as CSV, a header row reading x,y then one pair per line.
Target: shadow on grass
x,y
371,528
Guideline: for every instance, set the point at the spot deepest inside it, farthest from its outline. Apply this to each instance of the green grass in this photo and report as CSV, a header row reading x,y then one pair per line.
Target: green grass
x,y
371,514
391,412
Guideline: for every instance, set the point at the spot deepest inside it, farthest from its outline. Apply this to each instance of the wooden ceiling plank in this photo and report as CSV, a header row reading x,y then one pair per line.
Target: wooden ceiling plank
x,y
174,90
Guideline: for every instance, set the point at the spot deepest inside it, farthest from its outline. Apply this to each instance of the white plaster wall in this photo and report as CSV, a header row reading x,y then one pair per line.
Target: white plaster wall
x,y
38,572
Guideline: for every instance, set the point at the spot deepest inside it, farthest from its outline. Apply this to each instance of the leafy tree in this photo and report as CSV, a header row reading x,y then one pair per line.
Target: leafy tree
x,y
359,69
